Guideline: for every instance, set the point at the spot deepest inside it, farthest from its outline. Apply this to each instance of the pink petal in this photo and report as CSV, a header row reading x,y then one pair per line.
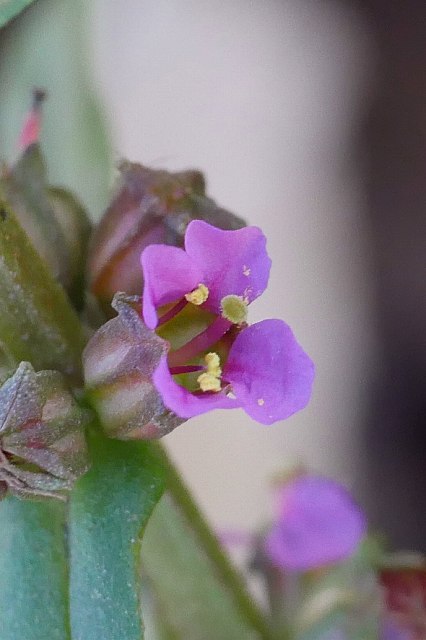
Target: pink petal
x,y
270,374
169,273
233,262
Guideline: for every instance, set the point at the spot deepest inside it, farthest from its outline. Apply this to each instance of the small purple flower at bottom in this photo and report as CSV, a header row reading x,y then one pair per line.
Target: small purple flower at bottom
x,y
318,523
389,630
228,364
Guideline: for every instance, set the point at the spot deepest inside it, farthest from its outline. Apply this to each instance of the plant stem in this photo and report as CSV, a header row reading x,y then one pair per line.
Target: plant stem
x,y
226,573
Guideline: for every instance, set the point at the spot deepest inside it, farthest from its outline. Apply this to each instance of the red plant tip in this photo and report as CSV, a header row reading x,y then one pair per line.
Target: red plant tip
x,y
31,130
39,96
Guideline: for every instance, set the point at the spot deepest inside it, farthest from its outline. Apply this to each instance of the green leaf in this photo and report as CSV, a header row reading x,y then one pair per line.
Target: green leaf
x,y
191,598
199,595
188,582
33,571
9,9
76,228
109,509
37,322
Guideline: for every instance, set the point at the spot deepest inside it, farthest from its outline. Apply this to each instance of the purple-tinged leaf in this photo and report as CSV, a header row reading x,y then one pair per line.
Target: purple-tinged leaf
x,y
42,443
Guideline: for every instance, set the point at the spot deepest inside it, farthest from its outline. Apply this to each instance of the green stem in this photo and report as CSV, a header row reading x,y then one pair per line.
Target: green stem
x,y
206,541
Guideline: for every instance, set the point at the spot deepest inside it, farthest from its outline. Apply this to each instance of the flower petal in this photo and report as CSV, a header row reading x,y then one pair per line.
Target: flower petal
x,y
169,273
318,523
233,262
181,401
271,375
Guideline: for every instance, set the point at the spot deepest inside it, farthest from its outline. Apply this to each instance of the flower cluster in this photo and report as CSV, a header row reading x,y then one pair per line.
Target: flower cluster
x,y
208,285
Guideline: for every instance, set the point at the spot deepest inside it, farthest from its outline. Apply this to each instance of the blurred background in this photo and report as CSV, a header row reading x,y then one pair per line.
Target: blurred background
x,y
308,119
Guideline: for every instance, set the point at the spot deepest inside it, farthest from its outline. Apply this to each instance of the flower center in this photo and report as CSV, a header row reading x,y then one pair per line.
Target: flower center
x,y
199,295
234,308
210,379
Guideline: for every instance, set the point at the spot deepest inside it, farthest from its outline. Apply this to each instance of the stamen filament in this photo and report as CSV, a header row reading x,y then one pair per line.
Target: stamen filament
x,y
171,313
185,369
200,343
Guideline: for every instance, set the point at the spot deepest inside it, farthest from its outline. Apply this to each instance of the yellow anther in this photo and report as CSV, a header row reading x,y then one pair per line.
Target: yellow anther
x,y
198,295
260,402
234,309
208,382
210,379
213,364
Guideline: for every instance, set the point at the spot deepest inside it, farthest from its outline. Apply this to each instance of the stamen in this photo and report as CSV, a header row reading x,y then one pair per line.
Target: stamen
x,y
199,343
171,313
175,371
260,402
234,309
199,295
213,364
208,382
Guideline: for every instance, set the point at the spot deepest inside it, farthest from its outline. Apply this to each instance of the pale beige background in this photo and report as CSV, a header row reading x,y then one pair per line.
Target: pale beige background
x,y
265,98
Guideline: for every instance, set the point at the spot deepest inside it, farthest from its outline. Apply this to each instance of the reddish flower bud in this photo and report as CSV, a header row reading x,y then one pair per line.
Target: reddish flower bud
x,y
150,207
52,218
405,593
31,130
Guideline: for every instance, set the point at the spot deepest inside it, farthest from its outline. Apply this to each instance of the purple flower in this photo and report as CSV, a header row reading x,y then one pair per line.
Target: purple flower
x,y
390,630
318,523
227,364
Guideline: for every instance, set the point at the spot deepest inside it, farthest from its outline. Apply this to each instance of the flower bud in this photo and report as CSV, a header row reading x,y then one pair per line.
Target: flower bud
x,y
150,207
42,443
119,361
403,580
52,218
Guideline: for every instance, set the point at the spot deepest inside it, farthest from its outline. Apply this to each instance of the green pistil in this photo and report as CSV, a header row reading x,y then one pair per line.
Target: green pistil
x,y
234,309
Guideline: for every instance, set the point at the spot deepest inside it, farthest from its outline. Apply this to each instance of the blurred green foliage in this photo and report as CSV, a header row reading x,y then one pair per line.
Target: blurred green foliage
x,y
9,9
46,47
